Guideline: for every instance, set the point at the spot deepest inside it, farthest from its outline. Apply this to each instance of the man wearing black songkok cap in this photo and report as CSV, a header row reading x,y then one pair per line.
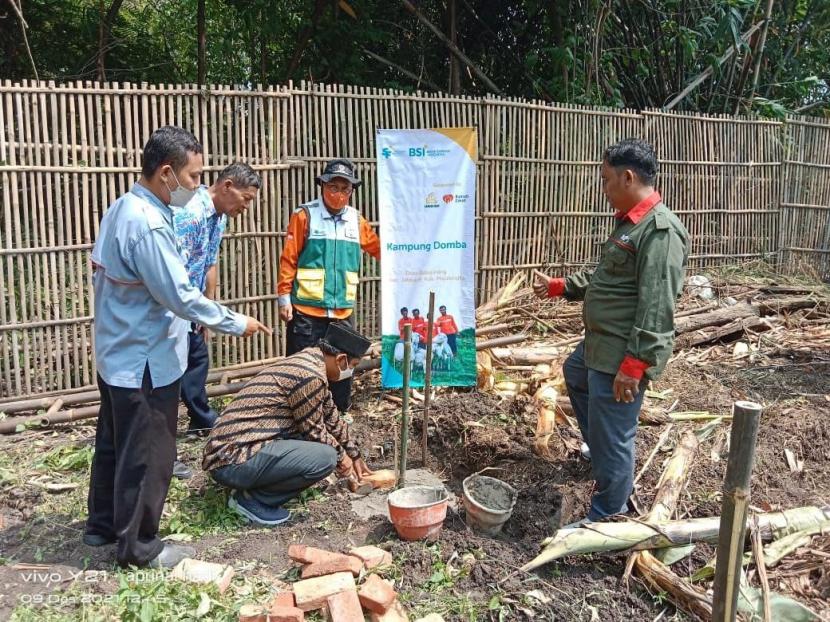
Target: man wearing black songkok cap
x,y
282,432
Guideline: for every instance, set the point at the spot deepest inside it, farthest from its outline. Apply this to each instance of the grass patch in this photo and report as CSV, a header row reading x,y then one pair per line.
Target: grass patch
x,y
69,458
146,596
192,513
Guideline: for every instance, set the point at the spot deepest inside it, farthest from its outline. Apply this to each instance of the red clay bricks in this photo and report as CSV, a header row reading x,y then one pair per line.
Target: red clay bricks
x,y
342,563
376,594
372,556
311,594
344,607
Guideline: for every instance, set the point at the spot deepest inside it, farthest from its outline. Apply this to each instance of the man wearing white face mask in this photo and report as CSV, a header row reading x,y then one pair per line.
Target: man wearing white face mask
x,y
144,303
283,432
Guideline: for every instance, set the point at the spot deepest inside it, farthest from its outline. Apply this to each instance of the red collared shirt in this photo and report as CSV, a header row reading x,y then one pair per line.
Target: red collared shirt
x,y
636,213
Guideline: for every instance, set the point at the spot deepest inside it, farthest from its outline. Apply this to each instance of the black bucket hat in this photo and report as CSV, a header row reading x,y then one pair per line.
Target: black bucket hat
x,y
347,340
339,168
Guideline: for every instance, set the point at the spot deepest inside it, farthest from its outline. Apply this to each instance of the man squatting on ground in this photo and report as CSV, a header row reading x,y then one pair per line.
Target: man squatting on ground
x,y
629,303
143,305
283,432
199,227
320,265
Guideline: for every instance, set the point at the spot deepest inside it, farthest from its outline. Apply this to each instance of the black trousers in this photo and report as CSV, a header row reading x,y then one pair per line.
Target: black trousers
x,y
305,331
135,446
194,393
280,470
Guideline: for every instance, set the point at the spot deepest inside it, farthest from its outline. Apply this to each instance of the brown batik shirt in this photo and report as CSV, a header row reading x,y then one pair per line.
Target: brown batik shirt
x,y
290,400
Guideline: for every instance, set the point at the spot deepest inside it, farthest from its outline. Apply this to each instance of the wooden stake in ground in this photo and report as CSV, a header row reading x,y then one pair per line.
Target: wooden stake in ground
x,y
407,358
745,419
427,378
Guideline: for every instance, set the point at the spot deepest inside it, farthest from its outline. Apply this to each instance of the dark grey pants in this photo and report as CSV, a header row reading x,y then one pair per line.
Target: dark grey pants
x,y
279,471
609,428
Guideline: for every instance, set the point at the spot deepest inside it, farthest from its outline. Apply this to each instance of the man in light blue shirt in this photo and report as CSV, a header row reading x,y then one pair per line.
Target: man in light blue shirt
x,y
143,305
198,228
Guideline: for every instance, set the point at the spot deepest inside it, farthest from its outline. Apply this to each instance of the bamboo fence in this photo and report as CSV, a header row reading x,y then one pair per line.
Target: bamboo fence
x,y
745,188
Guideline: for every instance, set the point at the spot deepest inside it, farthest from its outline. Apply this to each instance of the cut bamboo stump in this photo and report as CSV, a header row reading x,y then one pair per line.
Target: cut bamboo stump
x,y
735,506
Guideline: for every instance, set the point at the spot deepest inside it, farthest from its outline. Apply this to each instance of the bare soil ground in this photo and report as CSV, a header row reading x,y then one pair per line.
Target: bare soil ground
x,y
462,575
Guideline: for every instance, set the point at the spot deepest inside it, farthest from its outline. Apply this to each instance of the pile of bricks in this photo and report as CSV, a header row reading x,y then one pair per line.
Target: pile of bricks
x,y
328,583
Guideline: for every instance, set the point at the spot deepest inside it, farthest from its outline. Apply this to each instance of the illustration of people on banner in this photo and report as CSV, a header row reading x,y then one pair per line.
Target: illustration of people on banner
x,y
426,192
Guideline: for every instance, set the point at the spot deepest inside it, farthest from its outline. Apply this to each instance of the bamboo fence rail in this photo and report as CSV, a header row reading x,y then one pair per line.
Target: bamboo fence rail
x,y
746,188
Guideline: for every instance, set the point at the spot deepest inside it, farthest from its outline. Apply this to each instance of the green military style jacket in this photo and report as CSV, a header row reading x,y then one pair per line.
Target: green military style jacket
x,y
630,297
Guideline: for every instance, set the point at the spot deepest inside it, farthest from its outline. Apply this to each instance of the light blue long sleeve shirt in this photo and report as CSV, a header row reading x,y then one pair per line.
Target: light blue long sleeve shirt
x,y
144,301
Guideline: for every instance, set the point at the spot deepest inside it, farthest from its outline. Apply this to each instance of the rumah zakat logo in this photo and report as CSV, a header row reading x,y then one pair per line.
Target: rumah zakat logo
x,y
447,198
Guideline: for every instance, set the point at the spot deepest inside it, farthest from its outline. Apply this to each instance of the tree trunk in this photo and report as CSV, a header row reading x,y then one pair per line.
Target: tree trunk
x,y
263,57
455,66
636,536
104,29
718,317
304,38
716,333
201,34
760,54
452,47
526,356
558,28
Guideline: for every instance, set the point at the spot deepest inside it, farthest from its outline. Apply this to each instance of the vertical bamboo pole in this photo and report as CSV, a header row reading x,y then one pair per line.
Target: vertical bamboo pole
x,y
407,356
427,378
745,419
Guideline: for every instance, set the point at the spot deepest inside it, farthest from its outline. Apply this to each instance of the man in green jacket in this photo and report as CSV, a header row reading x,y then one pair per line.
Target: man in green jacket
x,y
628,312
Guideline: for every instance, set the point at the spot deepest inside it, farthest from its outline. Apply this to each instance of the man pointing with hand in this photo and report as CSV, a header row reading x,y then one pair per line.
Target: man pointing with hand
x,y
144,303
629,302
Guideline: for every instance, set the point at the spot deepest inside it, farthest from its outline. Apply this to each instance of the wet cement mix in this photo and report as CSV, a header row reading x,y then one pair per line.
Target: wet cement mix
x,y
460,574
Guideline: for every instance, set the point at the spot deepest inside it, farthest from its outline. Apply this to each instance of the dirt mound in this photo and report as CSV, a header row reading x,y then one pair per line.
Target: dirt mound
x,y
477,431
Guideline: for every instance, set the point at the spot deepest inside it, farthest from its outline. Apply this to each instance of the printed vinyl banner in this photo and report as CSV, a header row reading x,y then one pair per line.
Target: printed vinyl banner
x,y
427,196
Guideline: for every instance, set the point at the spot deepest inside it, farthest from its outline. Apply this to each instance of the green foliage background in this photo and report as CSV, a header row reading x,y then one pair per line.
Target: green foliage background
x,y
616,53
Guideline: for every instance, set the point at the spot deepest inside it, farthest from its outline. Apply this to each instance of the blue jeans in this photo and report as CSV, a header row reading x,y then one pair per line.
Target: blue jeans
x,y
609,428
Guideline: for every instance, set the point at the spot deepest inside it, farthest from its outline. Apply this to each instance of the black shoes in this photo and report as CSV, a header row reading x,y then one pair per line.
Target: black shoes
x,y
95,539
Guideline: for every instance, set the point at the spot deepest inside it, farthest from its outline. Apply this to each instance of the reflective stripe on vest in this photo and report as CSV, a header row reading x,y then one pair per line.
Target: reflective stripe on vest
x,y
328,267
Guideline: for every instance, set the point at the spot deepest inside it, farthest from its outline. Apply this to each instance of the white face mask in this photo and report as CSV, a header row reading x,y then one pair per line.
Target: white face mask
x,y
346,373
180,196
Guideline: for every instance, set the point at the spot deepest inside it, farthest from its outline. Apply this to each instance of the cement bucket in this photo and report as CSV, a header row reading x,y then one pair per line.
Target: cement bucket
x,y
488,503
418,512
